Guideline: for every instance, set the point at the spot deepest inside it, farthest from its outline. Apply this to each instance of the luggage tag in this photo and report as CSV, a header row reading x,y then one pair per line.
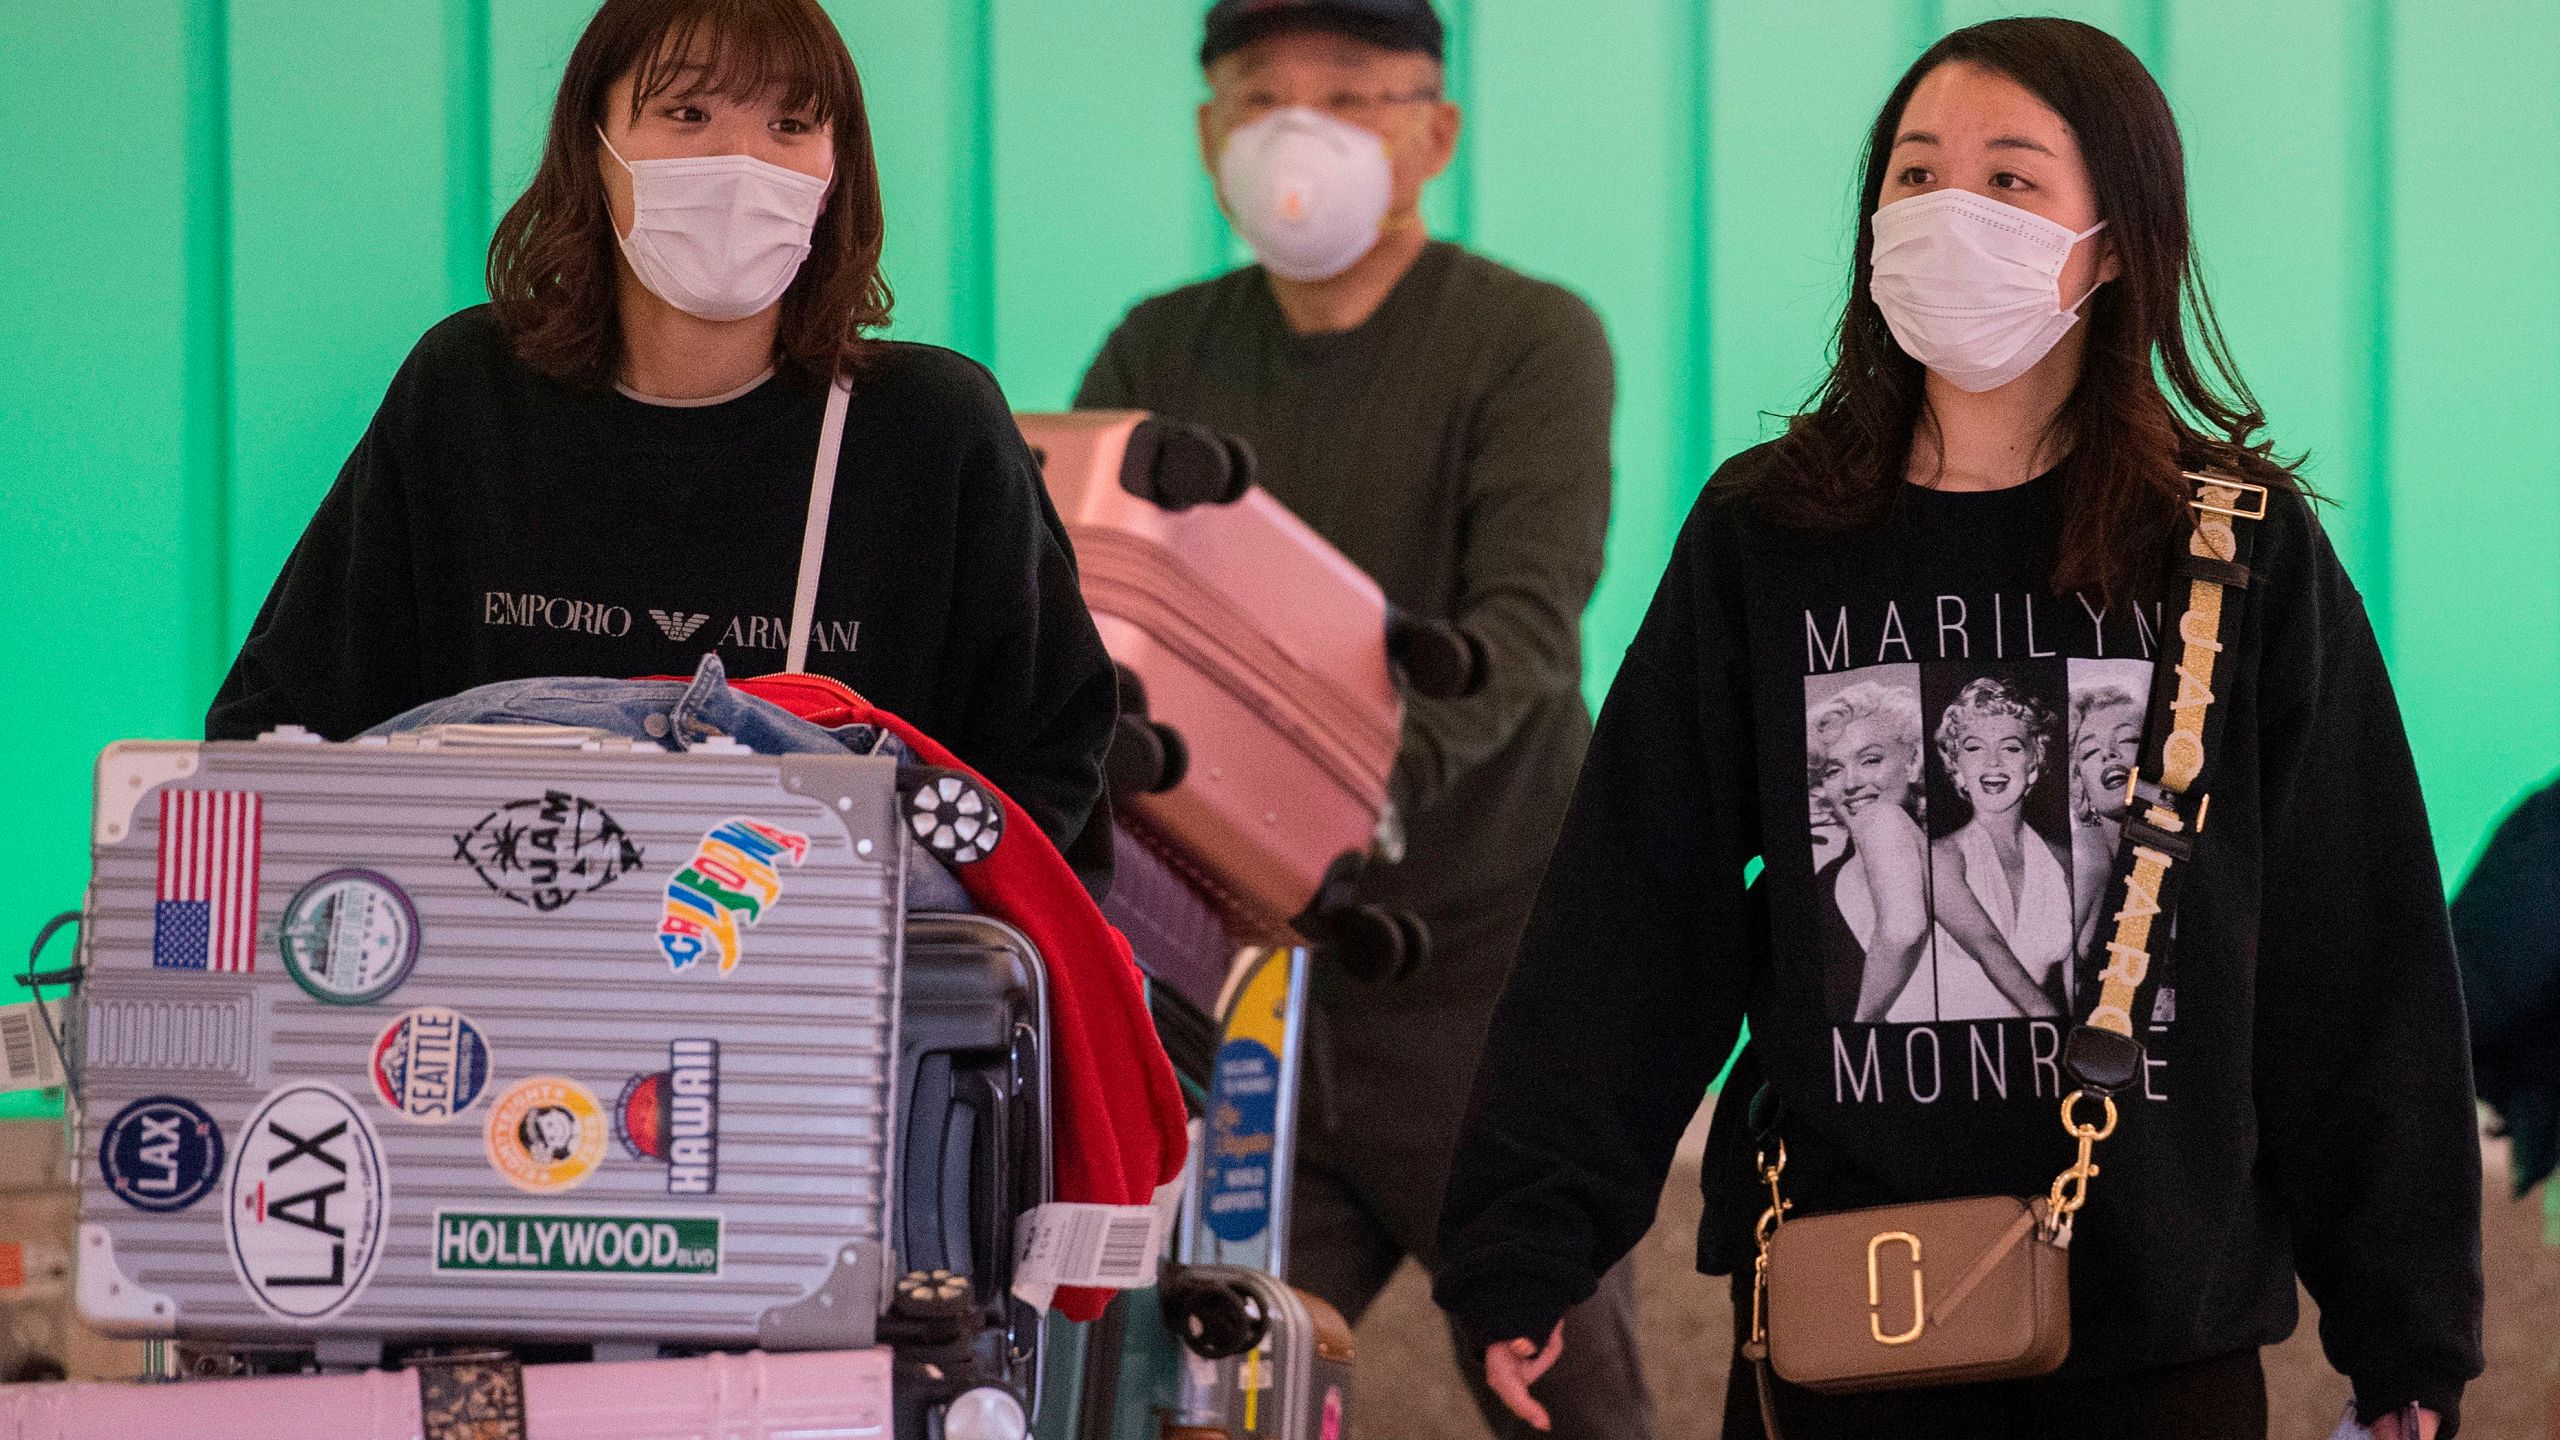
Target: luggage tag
x,y
33,1270
28,1060
1105,1247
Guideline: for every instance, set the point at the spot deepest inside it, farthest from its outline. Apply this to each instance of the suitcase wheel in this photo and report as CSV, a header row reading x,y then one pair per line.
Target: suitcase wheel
x,y
1216,1320
1147,757
953,816
936,1295
1175,465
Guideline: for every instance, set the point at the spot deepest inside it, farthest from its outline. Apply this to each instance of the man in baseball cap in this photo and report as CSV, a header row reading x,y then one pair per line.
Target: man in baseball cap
x,y
1444,422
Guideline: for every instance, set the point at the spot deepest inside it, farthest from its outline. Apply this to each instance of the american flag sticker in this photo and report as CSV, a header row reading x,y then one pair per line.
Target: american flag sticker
x,y
206,917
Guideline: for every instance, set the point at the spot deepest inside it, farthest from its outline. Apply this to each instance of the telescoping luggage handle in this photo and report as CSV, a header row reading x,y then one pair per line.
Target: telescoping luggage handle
x,y
813,536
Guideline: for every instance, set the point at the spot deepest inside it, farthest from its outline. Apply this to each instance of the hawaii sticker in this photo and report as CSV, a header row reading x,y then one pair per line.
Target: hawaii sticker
x,y
577,1244
732,881
546,1134
349,937
430,1065
308,1202
672,1116
161,1153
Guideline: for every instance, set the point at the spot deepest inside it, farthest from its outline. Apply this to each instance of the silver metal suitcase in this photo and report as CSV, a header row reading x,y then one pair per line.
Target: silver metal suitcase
x,y
1262,1361
445,1037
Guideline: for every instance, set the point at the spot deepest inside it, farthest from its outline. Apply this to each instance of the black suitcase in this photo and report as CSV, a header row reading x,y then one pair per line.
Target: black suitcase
x,y
973,1156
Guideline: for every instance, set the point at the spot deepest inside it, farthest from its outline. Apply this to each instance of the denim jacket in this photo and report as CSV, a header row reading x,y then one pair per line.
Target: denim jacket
x,y
678,715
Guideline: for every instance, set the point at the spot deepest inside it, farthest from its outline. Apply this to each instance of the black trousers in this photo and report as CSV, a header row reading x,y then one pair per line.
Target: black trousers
x,y
2223,1398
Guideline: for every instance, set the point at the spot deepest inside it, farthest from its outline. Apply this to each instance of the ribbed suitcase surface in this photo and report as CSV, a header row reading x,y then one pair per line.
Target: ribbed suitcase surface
x,y
393,1043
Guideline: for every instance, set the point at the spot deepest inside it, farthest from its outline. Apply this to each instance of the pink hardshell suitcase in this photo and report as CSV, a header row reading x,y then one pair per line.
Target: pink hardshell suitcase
x,y
810,1395
1259,644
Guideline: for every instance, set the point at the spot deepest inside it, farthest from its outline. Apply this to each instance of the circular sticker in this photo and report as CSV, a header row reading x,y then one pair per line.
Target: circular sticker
x,y
349,937
547,1134
161,1153
430,1064
309,1201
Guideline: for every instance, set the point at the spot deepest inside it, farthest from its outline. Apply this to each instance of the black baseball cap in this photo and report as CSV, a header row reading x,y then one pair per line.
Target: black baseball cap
x,y
1389,24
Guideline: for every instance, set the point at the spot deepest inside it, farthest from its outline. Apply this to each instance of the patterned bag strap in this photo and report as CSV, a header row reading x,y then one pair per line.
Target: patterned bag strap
x,y
2168,800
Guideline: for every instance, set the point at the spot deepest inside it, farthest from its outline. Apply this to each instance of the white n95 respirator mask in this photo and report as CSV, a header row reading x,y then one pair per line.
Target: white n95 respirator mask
x,y
1970,286
1308,192
718,236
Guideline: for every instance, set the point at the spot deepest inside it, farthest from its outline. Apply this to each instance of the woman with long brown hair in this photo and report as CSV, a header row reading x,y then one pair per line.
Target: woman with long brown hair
x,y
1993,481
608,470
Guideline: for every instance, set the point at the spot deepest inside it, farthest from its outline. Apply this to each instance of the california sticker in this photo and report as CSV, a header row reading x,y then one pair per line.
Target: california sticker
x,y
547,1134
733,881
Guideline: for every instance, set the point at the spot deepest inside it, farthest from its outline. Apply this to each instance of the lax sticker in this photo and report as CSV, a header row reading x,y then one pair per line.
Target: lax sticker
x,y
308,1202
161,1153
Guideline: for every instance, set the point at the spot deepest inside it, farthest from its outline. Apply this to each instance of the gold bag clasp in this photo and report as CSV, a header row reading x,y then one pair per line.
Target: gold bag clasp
x,y
1875,1289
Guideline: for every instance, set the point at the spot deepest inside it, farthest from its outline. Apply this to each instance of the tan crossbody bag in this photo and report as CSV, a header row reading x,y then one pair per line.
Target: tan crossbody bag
x,y
1957,1291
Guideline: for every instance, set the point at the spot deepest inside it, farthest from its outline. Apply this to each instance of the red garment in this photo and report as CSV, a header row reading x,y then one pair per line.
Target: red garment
x,y
1119,1129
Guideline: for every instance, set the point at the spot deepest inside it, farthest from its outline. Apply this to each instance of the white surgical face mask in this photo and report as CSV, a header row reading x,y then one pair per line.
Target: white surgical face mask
x,y
1308,192
718,236
1970,286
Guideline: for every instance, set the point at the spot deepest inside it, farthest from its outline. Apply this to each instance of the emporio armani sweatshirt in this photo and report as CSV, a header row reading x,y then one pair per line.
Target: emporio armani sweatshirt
x,y
494,524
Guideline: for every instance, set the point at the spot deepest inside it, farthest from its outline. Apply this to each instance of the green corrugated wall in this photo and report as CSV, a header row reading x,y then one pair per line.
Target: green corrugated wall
x,y
227,220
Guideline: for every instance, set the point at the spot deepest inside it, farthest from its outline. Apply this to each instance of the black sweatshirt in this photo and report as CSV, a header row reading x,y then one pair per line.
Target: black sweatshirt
x,y
495,525
1906,725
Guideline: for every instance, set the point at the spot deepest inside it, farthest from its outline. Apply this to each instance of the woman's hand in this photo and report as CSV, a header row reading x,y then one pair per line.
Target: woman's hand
x,y
2390,1428
1512,1367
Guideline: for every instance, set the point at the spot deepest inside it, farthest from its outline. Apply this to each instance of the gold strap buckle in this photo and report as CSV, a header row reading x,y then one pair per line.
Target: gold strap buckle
x,y
2235,511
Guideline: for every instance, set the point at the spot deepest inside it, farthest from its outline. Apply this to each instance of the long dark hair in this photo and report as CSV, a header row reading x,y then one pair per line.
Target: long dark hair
x,y
553,276
1841,463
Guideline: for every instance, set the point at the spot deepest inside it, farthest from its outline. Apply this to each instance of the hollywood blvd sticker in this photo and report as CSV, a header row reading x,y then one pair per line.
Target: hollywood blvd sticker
x,y
545,853
161,1153
732,881
546,1134
308,1202
672,1116
509,1243
430,1065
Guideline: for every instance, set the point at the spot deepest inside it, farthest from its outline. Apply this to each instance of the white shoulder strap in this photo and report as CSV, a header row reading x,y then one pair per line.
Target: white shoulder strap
x,y
813,537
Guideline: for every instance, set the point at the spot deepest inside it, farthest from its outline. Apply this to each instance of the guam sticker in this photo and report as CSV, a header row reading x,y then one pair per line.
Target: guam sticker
x,y
161,1153
547,1134
545,853
349,937
733,880
308,1202
430,1064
